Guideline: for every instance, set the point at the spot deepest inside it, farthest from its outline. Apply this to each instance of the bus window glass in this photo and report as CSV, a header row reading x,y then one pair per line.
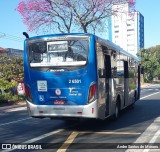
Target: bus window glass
x,y
114,64
120,66
100,57
58,53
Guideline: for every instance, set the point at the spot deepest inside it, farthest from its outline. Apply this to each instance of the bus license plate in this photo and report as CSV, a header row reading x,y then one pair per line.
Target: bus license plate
x,y
59,102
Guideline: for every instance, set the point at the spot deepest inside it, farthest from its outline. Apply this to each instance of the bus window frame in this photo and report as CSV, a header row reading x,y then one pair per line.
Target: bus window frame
x,y
52,38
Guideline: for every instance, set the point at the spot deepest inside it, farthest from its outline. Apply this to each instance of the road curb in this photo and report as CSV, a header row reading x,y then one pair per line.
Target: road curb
x,y
11,107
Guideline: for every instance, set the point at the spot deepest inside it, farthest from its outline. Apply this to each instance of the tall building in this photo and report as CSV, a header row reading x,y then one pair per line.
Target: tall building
x,y
126,29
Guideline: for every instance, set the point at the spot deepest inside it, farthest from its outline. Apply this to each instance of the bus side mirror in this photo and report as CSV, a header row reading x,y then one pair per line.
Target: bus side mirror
x,y
142,70
101,73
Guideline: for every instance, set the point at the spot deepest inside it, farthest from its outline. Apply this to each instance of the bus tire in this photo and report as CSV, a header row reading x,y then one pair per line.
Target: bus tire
x,y
117,111
135,99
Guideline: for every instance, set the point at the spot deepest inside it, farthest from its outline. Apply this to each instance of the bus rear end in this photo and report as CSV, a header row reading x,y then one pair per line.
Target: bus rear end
x,y
61,76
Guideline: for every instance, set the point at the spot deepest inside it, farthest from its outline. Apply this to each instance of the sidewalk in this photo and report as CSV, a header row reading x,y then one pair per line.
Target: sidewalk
x,y
13,106
145,85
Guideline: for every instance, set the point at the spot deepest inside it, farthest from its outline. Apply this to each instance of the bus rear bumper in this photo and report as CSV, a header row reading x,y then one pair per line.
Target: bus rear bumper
x,y
79,111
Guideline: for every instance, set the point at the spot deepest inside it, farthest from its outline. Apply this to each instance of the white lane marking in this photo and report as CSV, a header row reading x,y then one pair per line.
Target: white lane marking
x,y
149,95
153,140
111,133
157,89
14,121
42,136
74,134
36,139
151,131
150,89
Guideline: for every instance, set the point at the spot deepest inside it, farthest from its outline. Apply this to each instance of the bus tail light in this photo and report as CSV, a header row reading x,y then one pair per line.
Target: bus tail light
x,y
92,93
28,93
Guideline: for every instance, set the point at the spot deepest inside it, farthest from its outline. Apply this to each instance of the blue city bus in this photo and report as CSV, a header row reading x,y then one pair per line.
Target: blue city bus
x,y
78,76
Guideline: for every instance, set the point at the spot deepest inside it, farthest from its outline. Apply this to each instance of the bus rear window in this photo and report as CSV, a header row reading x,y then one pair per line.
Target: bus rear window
x,y
58,53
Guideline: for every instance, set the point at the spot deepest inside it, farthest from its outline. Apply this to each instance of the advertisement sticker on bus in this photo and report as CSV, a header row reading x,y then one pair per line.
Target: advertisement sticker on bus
x,y
59,102
74,91
42,86
58,92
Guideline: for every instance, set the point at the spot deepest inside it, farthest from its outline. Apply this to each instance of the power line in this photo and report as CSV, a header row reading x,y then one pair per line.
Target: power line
x,y
10,37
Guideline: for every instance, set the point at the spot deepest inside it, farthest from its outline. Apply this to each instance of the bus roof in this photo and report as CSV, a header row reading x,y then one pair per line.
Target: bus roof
x,y
116,48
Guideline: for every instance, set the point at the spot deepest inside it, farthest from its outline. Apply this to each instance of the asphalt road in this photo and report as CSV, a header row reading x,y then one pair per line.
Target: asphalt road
x,y
139,125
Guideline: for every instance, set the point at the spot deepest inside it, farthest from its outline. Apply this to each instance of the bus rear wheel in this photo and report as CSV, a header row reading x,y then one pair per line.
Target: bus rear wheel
x,y
117,111
134,101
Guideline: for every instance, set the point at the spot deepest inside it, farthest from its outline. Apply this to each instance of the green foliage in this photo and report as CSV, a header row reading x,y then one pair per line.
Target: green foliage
x,y
5,84
150,59
132,86
7,97
11,69
10,72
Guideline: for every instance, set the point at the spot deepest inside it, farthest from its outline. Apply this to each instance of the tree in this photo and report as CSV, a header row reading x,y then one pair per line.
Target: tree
x,y
10,72
67,15
11,69
150,59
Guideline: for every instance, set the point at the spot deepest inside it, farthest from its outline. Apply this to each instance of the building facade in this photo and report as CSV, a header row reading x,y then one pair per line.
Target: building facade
x,y
11,52
126,29
14,52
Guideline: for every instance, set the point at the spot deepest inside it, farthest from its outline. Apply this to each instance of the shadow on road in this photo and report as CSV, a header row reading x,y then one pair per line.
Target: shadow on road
x,y
144,111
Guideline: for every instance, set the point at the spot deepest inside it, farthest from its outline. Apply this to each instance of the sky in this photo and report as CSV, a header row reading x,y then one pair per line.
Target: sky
x,y
12,27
